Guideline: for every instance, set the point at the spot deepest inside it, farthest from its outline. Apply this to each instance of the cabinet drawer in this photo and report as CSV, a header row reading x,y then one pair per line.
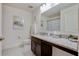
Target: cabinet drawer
x,y
36,40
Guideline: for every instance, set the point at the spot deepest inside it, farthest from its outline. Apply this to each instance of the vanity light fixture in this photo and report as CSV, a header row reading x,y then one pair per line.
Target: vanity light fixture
x,y
45,6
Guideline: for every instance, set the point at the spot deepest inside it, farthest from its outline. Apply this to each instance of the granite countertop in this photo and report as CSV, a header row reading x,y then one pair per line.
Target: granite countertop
x,y
59,41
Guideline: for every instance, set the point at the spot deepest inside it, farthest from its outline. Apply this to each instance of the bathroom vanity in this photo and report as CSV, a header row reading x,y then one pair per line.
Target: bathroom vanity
x,y
44,46
41,47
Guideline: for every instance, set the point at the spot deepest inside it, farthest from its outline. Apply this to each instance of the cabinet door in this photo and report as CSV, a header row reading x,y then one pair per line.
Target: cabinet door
x,y
46,49
38,49
36,46
33,46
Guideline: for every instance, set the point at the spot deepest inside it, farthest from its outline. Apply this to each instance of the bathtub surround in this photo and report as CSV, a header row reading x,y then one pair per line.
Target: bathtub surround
x,y
15,37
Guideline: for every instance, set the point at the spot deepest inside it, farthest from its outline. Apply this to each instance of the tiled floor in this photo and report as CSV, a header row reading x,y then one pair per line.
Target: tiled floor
x,y
19,51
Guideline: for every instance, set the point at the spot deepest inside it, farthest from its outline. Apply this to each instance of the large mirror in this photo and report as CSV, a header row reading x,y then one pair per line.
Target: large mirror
x,y
50,21
60,17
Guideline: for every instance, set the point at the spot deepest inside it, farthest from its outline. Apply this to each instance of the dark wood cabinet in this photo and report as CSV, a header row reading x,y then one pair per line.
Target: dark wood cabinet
x,y
33,45
43,48
40,48
46,49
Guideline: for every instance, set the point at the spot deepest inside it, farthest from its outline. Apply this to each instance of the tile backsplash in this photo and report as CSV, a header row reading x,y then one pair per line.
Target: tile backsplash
x,y
59,35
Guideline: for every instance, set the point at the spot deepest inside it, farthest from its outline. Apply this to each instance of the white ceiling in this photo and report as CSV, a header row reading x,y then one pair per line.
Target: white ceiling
x,y
25,6
56,9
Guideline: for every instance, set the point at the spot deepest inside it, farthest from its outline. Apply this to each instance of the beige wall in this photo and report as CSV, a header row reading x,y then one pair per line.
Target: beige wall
x,y
36,21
